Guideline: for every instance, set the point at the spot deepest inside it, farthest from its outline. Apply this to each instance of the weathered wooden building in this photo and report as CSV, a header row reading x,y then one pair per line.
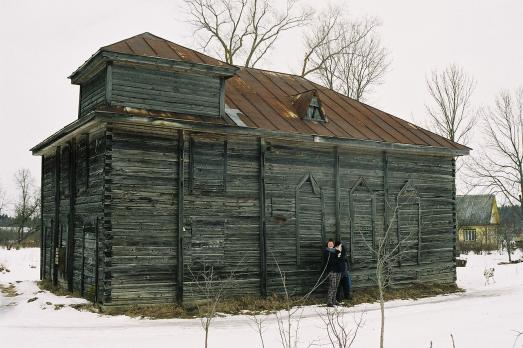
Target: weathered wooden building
x,y
178,160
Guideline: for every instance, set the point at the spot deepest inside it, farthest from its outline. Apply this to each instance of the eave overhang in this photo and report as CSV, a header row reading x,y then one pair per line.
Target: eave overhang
x,y
96,117
101,58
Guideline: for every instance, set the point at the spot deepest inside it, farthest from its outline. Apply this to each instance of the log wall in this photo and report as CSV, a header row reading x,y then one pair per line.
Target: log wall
x,y
84,169
143,88
171,205
304,190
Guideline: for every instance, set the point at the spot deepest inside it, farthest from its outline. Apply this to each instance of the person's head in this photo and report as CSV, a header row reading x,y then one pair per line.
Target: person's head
x,y
338,245
330,243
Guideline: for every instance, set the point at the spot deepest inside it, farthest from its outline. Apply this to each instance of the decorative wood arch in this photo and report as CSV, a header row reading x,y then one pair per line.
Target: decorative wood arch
x,y
316,189
361,182
408,187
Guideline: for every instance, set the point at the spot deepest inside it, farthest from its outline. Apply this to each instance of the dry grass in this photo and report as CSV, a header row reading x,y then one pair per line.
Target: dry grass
x,y
407,293
47,285
149,311
250,304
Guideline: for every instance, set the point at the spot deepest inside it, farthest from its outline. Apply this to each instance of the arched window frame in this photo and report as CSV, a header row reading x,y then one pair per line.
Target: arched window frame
x,y
361,182
317,191
408,187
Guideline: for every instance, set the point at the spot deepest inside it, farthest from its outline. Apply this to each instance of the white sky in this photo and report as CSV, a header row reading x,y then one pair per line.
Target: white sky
x,y
42,42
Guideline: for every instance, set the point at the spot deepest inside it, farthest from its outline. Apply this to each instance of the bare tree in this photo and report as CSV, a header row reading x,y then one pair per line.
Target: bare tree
x,y
243,31
387,250
363,66
259,326
339,333
518,335
212,288
499,167
27,204
288,324
345,54
509,226
450,91
3,200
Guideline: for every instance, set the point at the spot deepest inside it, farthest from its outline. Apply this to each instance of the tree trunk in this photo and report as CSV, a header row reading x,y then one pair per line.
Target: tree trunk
x,y
380,274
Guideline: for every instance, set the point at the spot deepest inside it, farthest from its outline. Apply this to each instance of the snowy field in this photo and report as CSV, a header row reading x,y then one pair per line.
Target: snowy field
x,y
485,316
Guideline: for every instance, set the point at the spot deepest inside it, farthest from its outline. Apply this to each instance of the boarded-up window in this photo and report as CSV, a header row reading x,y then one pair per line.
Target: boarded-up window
x,y
208,165
207,242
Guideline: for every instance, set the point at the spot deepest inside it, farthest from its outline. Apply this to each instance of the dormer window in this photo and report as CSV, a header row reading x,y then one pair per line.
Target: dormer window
x,y
308,106
314,110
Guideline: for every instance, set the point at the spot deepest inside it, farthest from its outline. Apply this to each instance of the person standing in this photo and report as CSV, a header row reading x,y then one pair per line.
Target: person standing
x,y
332,257
344,291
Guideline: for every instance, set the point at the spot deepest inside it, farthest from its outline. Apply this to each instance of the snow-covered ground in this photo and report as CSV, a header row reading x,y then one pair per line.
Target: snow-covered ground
x,y
485,316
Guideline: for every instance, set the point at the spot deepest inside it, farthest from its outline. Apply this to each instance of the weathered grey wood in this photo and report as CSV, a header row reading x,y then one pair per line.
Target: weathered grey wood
x,y
43,257
93,94
109,83
419,232
93,118
241,208
72,214
338,197
96,261
262,222
159,90
225,157
180,191
42,233
108,211
82,276
56,231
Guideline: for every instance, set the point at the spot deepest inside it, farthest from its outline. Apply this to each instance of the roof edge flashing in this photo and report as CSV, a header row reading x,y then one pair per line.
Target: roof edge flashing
x,y
87,70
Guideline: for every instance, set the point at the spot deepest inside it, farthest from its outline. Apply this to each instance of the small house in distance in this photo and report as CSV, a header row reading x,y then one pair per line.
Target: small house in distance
x,y
177,160
478,222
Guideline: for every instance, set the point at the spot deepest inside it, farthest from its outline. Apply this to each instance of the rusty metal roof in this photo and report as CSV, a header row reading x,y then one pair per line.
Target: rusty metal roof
x,y
271,101
149,45
265,99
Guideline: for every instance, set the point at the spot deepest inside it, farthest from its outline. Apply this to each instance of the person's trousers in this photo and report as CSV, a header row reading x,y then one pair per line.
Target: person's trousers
x,y
344,289
334,280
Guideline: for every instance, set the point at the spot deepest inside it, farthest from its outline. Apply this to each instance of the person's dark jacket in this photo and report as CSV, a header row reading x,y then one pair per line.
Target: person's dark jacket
x,y
330,259
343,261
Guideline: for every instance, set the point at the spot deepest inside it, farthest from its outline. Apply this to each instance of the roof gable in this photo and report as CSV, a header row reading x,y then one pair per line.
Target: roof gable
x,y
149,45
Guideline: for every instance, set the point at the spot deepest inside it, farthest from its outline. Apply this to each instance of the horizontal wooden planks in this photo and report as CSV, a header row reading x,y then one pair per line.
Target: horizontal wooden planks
x,y
173,92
